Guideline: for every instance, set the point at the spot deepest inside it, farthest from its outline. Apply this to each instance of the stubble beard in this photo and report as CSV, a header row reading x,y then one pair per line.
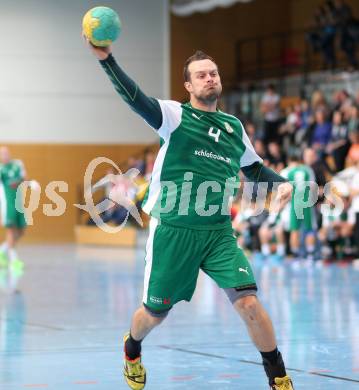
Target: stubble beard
x,y
210,96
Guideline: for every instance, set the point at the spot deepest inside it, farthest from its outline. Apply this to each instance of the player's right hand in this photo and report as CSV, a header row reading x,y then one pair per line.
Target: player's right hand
x,y
100,53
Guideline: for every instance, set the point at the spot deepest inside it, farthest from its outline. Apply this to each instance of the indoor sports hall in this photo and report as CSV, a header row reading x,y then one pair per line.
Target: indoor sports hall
x,y
186,171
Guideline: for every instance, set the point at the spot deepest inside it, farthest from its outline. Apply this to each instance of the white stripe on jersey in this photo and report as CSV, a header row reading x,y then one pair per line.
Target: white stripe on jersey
x,y
149,258
171,117
154,190
249,156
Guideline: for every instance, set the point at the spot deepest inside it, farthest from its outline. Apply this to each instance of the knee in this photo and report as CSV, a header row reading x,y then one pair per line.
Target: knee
x,y
154,321
154,317
248,307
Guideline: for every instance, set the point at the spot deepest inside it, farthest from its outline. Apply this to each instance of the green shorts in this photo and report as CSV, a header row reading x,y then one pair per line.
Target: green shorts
x,y
308,222
174,256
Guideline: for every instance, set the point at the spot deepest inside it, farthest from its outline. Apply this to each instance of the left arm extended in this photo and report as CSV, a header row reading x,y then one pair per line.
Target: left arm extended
x,y
257,172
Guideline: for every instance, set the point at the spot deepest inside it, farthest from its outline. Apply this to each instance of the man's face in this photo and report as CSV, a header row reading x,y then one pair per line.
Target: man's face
x,y
205,83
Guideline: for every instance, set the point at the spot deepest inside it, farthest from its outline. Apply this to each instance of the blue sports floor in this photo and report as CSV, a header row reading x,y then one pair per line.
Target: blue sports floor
x,y
63,327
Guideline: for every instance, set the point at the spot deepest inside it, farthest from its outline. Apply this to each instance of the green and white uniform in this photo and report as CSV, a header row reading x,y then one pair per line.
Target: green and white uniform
x,y
300,175
195,174
202,151
11,175
195,232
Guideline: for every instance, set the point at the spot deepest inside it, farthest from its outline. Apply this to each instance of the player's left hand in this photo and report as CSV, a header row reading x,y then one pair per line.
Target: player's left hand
x,y
284,195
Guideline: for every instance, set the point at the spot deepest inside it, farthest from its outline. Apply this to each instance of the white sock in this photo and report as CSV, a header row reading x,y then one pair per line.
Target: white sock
x,y
12,254
281,249
266,249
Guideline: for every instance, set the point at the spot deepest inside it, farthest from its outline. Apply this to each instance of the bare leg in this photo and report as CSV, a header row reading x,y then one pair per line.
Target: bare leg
x,y
265,236
261,331
258,323
279,231
310,240
11,237
19,232
143,322
295,242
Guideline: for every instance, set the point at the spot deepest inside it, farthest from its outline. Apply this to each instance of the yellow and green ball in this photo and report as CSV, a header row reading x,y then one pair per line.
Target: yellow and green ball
x,y
101,26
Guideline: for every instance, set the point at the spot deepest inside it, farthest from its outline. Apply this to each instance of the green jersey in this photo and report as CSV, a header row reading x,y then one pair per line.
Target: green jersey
x,y
196,170
11,175
301,214
299,174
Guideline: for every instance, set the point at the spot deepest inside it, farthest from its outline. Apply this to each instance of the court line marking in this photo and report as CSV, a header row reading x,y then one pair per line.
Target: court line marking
x,y
257,363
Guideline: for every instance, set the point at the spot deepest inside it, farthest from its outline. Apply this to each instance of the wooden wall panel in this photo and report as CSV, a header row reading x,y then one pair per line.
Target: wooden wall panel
x,y
49,162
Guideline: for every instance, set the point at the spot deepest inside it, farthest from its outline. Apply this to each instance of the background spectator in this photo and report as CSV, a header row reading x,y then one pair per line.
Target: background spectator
x,y
271,111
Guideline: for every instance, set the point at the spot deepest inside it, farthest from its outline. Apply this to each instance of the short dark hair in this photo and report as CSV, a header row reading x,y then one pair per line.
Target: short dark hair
x,y
197,56
294,157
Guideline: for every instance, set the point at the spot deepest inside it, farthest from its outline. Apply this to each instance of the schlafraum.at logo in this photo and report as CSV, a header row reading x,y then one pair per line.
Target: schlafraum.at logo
x,y
120,190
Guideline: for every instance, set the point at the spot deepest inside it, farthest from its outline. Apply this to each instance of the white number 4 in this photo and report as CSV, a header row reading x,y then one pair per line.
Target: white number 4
x,y
213,134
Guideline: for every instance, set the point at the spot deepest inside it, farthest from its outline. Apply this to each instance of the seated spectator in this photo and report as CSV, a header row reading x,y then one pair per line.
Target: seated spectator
x,y
118,202
318,135
260,148
306,114
149,161
289,128
320,169
353,153
353,120
136,163
335,232
275,156
253,133
306,120
318,101
271,112
339,143
342,101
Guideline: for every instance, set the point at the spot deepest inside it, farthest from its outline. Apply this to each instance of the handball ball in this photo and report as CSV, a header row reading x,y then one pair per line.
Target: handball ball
x,y
101,26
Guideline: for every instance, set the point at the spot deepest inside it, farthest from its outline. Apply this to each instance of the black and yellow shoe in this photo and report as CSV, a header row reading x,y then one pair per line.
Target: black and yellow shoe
x,y
133,371
284,383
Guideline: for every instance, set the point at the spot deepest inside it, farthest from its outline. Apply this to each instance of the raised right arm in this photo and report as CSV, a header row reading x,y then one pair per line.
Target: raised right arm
x,y
147,107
